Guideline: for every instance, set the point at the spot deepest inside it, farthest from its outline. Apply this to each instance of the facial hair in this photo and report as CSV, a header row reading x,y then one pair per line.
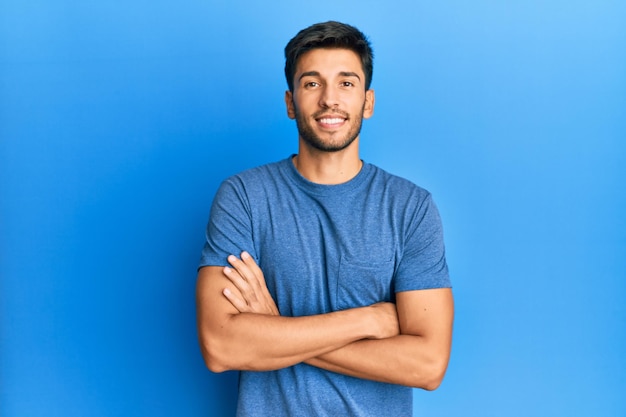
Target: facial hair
x,y
307,133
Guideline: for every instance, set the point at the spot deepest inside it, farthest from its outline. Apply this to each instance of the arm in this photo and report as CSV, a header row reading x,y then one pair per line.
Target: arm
x,y
244,341
417,357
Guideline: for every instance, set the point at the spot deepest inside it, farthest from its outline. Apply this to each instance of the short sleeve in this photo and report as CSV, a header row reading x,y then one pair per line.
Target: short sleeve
x,y
229,229
423,263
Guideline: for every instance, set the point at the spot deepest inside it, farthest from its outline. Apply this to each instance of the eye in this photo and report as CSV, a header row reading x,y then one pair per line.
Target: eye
x,y
347,84
311,84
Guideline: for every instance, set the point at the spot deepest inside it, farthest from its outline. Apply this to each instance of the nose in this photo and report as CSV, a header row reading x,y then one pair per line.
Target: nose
x,y
329,97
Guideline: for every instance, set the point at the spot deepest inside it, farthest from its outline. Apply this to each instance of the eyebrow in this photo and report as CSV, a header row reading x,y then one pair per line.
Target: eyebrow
x,y
349,74
317,74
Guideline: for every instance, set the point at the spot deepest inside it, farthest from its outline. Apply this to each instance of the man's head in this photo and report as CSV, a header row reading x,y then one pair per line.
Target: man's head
x,y
329,68
329,35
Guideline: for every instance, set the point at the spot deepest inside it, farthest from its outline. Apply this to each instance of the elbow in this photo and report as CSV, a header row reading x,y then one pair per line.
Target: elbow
x,y
218,347
223,350
433,382
214,357
436,375
215,365
431,376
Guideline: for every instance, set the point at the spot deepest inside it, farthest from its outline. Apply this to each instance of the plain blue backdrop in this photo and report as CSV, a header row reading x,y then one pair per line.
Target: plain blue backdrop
x,y
119,119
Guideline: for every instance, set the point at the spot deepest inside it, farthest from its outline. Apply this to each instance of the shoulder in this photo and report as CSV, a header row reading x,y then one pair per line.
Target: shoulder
x,y
255,183
396,186
258,173
253,177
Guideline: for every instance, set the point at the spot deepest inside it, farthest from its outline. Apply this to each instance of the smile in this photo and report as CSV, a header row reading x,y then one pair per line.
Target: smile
x,y
331,121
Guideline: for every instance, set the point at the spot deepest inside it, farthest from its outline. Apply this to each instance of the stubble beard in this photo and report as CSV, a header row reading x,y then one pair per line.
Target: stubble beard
x,y
312,139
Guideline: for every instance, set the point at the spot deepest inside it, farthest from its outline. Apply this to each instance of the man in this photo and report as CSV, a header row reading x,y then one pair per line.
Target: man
x,y
323,278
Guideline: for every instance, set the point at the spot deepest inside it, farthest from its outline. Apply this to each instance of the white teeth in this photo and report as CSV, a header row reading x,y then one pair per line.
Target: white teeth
x,y
331,121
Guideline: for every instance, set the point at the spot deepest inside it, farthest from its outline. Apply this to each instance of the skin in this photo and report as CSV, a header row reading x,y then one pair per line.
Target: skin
x,y
329,82
239,325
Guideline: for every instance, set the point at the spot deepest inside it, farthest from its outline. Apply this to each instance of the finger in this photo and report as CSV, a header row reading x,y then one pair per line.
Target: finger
x,y
249,271
256,293
252,265
241,268
259,284
242,285
237,302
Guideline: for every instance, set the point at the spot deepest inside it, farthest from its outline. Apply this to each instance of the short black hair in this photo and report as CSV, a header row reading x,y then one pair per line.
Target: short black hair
x,y
329,35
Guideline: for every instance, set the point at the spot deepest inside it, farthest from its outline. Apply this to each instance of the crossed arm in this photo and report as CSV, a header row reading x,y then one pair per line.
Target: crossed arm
x,y
240,328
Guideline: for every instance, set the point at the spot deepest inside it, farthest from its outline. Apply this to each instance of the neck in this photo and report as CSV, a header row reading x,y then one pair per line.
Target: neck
x,y
328,168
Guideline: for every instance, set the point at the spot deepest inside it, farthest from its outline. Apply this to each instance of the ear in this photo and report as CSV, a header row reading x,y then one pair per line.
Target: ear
x,y
291,111
368,108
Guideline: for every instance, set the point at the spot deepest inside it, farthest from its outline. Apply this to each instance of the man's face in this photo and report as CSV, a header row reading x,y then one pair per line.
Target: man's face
x,y
329,100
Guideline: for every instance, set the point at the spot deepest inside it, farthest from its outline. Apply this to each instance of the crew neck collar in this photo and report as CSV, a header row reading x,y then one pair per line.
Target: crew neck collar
x,y
320,189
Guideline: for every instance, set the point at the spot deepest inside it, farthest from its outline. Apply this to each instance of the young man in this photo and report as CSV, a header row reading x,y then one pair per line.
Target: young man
x,y
323,278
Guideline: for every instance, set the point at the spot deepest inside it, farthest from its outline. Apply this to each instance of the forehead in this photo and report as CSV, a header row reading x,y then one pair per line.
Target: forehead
x,y
329,61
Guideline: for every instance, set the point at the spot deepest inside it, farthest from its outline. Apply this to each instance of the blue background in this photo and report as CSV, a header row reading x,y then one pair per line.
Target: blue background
x,y
119,119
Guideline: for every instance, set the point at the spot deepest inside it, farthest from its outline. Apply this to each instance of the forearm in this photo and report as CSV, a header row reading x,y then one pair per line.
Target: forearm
x,y
240,329
412,345
246,341
418,357
403,359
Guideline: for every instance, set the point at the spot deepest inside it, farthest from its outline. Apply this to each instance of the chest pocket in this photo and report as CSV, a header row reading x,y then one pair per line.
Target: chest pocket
x,y
364,283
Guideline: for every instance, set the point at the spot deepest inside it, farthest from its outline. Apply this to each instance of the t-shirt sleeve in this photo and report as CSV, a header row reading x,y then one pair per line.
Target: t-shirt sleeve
x,y
423,263
229,229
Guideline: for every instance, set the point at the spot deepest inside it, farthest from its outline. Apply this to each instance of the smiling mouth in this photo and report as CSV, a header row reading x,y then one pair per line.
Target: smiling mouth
x,y
335,119
331,121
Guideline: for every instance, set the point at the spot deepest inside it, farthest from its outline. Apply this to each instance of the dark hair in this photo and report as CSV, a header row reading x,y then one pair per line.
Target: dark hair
x,y
329,35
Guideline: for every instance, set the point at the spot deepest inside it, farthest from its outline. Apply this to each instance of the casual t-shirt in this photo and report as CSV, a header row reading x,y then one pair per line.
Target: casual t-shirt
x,y
325,248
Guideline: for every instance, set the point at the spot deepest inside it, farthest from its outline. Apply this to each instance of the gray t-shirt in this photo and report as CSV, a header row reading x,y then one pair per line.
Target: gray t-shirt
x,y
325,248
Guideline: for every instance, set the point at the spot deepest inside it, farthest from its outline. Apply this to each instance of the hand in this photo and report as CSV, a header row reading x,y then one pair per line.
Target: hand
x,y
386,317
253,297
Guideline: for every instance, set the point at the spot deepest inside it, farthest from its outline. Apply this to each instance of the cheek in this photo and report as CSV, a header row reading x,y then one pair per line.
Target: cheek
x,y
306,105
354,100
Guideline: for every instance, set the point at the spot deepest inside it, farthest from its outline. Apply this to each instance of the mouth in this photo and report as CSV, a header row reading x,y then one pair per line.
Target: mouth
x,y
331,121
